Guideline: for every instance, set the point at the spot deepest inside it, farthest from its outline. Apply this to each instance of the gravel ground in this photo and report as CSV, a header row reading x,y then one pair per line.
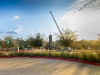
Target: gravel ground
x,y
34,66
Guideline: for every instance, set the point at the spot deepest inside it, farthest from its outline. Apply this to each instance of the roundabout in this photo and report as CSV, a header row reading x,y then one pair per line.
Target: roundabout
x,y
39,66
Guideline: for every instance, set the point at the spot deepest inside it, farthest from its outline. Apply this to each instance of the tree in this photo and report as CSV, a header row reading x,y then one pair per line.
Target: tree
x,y
4,44
10,41
86,44
35,41
21,43
98,42
76,45
67,38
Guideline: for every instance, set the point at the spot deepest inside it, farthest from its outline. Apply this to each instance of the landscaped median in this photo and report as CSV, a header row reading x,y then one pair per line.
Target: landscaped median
x,y
83,57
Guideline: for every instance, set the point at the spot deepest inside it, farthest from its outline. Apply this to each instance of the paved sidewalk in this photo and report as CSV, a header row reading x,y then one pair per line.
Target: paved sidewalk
x,y
34,66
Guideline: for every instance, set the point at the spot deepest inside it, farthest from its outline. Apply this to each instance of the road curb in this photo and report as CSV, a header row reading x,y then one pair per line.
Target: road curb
x,y
98,64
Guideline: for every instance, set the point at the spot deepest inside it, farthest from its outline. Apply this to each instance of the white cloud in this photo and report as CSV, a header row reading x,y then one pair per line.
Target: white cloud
x,y
19,30
16,31
11,32
86,4
16,17
83,17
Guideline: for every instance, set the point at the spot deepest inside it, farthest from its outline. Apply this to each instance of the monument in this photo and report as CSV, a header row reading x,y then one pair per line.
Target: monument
x,y
50,42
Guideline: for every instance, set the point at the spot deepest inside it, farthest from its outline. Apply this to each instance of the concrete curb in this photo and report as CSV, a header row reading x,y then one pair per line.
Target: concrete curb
x,y
98,64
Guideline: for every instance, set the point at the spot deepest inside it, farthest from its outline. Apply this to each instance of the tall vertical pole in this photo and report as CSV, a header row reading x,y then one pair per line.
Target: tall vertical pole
x,y
57,25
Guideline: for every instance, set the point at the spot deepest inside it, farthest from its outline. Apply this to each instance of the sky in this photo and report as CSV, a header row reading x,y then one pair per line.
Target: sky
x,y
21,18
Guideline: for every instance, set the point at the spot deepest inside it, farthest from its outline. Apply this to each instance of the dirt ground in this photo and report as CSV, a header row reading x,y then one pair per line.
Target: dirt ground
x,y
33,66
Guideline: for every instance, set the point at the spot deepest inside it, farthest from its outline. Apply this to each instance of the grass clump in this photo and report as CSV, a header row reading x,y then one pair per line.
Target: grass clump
x,y
98,57
3,54
91,56
83,56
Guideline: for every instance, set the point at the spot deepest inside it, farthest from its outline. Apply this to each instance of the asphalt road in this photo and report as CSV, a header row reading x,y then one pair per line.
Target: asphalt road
x,y
33,66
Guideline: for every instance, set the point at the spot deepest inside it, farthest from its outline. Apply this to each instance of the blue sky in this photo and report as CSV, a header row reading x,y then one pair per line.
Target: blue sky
x,y
21,18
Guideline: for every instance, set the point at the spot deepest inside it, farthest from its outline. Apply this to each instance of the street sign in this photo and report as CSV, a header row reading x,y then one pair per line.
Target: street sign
x,y
8,41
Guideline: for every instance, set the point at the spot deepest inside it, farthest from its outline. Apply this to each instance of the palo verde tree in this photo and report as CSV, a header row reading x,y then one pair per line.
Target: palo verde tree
x,y
67,38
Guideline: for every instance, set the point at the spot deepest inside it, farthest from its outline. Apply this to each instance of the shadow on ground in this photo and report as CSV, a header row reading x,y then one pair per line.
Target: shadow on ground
x,y
30,66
